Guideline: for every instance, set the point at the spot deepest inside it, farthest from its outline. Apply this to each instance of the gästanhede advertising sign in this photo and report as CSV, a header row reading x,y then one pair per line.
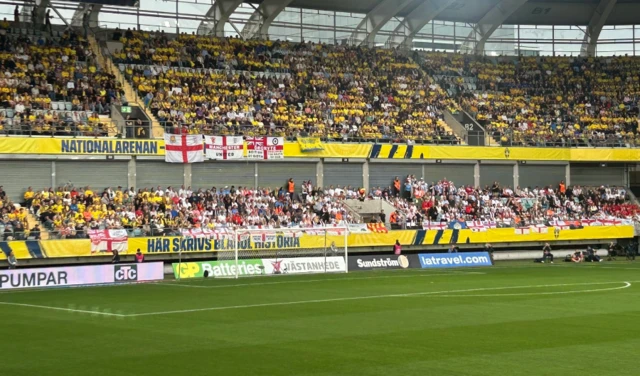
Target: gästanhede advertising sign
x,y
454,260
376,262
80,275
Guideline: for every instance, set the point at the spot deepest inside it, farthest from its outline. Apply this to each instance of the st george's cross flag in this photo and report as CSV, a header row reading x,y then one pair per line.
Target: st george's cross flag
x,y
186,148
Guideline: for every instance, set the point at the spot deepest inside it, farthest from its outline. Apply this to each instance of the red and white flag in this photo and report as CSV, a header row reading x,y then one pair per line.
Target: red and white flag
x,y
434,225
223,147
265,147
477,226
108,240
522,230
186,148
539,229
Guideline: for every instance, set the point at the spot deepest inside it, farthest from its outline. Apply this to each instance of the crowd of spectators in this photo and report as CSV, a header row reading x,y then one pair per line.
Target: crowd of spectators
x,y
546,101
418,201
53,86
231,86
13,221
68,212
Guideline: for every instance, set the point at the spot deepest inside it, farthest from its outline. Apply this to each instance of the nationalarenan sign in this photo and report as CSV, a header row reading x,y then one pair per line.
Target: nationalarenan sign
x,y
80,275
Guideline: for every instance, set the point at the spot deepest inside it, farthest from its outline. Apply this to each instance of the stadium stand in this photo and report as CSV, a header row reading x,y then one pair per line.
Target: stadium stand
x,y
51,85
232,86
545,101
69,212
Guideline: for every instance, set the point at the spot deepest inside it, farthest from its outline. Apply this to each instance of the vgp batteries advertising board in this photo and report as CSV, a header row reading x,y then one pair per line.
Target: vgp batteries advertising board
x,y
227,268
383,262
80,275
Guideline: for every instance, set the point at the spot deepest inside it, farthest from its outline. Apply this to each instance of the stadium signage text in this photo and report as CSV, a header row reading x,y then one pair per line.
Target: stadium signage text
x,y
175,244
227,268
80,275
138,147
382,262
454,260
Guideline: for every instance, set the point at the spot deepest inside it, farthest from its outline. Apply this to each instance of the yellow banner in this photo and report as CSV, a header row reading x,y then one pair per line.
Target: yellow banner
x,y
163,245
331,150
75,146
503,153
308,144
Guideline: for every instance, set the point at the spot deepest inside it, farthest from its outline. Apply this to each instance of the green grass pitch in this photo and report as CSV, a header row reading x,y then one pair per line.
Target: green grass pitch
x,y
511,319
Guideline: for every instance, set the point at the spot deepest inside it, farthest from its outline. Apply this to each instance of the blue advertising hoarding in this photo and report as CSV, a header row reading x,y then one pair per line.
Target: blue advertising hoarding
x,y
454,260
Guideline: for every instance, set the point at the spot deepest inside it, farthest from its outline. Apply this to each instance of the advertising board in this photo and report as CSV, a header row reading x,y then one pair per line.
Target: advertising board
x,y
454,260
377,262
80,275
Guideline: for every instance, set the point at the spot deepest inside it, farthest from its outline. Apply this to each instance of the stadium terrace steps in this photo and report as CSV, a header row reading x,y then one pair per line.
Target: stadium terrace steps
x,y
133,99
32,221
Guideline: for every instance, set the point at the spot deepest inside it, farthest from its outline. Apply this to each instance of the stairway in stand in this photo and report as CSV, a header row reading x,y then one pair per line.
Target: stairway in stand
x,y
32,221
157,131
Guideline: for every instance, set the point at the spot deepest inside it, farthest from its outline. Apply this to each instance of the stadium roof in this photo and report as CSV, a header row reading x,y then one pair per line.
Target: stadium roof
x,y
532,12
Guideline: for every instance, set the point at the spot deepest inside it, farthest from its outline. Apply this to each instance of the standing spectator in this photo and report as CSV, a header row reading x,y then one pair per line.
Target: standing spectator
x,y
34,14
291,187
489,249
16,17
147,99
397,248
396,187
383,217
85,23
546,253
116,257
47,21
35,232
13,262
139,256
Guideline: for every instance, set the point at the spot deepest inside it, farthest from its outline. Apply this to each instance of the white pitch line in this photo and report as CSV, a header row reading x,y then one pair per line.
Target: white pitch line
x,y
626,285
299,302
63,309
313,280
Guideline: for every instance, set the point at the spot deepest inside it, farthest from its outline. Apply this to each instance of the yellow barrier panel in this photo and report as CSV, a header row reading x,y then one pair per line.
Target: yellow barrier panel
x,y
504,153
67,248
293,150
77,146
174,244
92,146
308,144
508,235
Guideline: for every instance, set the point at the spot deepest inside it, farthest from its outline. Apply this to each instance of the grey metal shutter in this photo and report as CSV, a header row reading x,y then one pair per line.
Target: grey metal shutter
x,y
541,175
17,176
96,174
595,175
218,174
157,173
459,174
500,173
382,174
343,175
276,174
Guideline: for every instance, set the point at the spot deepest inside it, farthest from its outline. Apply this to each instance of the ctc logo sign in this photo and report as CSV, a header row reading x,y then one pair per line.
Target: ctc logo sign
x,y
126,273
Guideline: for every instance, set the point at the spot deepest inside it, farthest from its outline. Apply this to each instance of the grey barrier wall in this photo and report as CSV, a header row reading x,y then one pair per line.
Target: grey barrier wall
x,y
97,172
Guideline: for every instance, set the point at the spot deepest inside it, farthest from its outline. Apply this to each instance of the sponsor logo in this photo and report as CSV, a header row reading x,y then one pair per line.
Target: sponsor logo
x,y
33,279
125,273
305,265
454,260
400,262
382,262
80,275
218,269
